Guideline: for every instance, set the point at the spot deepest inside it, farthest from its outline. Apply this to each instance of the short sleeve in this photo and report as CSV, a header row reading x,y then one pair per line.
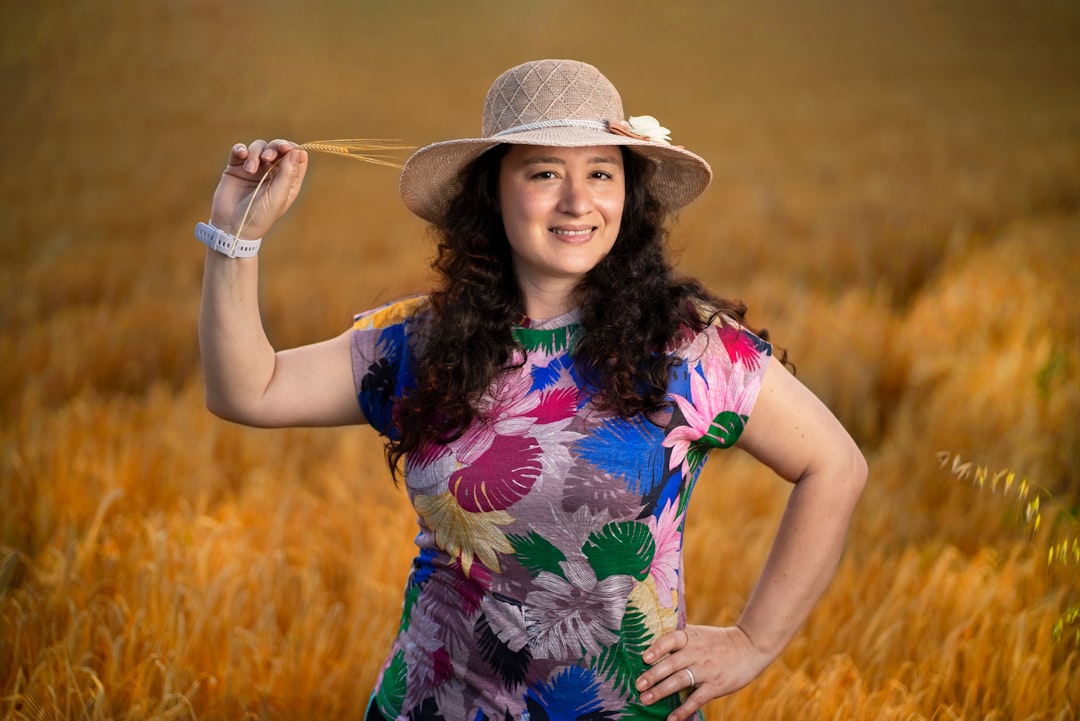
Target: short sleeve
x,y
381,358
725,366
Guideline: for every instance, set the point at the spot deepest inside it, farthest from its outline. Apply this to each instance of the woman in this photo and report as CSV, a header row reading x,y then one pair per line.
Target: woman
x,y
550,406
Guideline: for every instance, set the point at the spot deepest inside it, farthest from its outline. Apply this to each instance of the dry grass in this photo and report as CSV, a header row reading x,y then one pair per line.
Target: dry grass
x,y
897,194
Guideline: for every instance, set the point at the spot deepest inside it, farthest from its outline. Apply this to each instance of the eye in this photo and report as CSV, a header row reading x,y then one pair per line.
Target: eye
x,y
543,175
602,175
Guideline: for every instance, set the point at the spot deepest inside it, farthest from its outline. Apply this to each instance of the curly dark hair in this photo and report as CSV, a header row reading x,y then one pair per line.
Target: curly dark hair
x,y
632,309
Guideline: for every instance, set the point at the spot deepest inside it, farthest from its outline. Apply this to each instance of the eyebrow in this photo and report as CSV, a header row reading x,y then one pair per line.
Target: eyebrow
x,y
554,160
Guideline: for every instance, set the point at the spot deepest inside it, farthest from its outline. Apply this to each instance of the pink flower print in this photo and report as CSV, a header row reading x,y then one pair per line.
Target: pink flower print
x,y
556,405
667,558
506,409
740,346
679,441
432,470
720,400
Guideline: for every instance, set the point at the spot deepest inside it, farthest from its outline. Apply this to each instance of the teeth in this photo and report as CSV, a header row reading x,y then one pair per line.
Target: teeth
x,y
558,231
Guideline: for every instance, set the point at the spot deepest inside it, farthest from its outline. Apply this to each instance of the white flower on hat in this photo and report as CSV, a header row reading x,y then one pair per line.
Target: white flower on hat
x,y
649,127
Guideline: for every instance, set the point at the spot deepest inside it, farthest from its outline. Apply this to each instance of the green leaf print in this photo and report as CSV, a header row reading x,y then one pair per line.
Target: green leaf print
x,y
695,457
537,554
548,342
724,430
412,593
653,712
392,691
621,663
624,548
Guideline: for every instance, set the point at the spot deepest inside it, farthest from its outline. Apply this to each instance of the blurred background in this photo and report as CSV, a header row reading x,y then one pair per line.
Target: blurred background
x,y
896,196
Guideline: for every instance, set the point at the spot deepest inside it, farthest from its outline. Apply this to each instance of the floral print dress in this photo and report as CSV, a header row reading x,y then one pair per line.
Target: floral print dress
x,y
550,540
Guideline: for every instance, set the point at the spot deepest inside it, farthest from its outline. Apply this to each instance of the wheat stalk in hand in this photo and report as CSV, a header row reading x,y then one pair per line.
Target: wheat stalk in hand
x,y
364,149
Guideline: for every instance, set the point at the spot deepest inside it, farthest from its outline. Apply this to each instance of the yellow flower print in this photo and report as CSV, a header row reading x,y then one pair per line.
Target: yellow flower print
x,y
463,534
659,617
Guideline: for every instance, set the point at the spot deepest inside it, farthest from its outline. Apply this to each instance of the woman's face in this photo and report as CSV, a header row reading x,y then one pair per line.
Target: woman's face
x,y
561,208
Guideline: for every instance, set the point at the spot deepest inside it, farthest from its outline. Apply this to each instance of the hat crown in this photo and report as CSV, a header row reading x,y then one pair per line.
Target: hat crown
x,y
547,91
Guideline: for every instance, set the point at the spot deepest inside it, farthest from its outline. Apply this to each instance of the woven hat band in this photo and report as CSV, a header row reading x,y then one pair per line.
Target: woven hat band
x,y
601,125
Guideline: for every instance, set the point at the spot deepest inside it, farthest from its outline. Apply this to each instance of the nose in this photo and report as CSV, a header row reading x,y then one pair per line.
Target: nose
x,y
574,199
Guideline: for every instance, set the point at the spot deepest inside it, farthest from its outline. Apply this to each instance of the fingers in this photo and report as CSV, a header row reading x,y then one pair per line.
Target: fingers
x,y
679,679
669,673
259,155
237,154
700,663
668,643
260,183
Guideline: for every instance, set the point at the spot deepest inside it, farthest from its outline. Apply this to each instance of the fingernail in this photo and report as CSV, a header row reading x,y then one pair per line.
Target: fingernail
x,y
646,698
642,684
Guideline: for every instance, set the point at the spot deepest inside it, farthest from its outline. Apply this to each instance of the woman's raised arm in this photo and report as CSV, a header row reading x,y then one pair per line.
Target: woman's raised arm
x,y
247,381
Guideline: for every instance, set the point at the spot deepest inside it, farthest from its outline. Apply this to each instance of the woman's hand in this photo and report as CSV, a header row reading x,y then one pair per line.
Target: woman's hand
x,y
241,182
721,660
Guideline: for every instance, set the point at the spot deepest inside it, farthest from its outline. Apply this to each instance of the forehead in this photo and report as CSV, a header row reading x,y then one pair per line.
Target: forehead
x,y
529,154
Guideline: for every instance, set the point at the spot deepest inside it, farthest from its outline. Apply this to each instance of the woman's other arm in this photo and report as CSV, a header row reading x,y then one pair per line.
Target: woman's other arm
x,y
791,431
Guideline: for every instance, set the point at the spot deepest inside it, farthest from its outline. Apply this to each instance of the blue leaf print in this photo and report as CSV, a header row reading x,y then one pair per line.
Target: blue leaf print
x,y
627,449
571,694
546,376
377,388
422,568
679,380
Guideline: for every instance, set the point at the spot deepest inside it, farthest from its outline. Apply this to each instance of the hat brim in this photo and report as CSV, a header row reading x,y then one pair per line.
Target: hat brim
x,y
431,177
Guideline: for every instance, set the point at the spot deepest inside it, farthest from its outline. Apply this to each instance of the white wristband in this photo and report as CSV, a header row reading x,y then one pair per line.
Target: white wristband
x,y
226,244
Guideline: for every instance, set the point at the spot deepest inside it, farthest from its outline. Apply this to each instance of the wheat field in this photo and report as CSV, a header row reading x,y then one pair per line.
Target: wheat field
x,y
896,196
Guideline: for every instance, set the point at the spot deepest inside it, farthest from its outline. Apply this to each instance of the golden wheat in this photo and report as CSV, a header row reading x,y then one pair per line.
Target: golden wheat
x,y
358,149
908,235
982,479
1062,555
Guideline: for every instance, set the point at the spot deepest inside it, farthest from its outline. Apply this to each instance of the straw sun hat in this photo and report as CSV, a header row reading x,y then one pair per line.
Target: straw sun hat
x,y
562,103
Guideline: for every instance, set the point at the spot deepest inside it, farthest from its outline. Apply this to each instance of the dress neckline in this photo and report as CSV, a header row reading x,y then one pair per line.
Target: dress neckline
x,y
570,317
548,336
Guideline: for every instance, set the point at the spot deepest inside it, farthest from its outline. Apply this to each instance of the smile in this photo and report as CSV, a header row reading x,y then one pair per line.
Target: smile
x,y
572,233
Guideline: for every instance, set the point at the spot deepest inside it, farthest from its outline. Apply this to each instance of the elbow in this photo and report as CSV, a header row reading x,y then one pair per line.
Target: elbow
x,y
855,473
219,407
227,410
839,476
